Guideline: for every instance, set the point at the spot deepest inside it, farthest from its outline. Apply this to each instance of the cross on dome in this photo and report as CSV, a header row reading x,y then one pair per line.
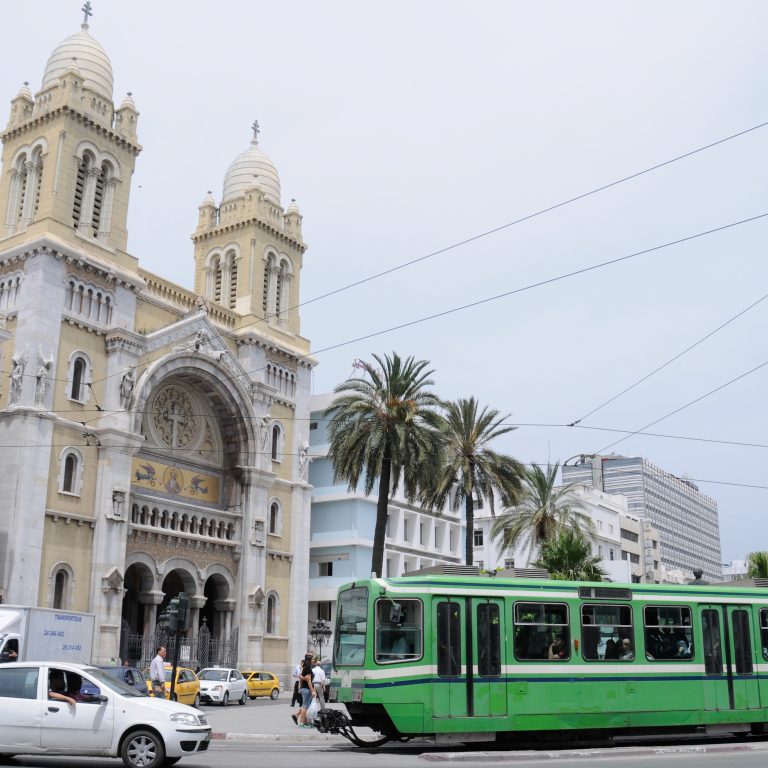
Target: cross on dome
x,y
86,9
256,131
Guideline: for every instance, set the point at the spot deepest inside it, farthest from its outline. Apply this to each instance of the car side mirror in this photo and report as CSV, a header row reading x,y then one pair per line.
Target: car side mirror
x,y
395,613
100,698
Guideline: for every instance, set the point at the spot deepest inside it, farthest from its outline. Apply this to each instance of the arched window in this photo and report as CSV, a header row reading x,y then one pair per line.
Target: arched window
x,y
272,627
78,377
232,261
275,518
60,588
282,297
217,281
60,585
70,471
83,169
277,443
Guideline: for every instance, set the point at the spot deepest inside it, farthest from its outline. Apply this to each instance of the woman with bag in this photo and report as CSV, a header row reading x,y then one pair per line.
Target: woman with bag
x,y
307,691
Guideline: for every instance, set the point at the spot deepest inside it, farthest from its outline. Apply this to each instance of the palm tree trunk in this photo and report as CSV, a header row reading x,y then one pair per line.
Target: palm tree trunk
x,y
469,513
382,507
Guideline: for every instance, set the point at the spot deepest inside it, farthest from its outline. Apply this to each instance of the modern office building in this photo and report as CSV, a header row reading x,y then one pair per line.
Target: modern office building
x,y
342,526
686,519
624,545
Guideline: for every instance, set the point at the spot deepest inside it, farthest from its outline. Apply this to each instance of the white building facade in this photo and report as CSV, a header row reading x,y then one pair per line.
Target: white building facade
x,y
343,523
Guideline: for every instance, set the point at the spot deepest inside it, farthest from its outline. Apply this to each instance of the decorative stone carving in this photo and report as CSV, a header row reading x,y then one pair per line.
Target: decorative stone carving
x,y
112,581
118,504
43,372
257,534
256,597
18,365
174,419
304,459
127,383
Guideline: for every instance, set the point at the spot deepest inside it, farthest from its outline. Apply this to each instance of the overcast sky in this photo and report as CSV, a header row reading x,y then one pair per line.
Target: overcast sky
x,y
403,128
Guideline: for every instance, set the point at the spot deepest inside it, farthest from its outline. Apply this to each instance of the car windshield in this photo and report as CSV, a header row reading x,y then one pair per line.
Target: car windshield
x,y
118,686
214,674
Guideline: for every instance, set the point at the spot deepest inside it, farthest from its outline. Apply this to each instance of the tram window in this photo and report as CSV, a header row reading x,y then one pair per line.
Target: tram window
x,y
448,639
713,655
742,644
668,632
606,633
764,632
488,640
542,632
351,626
398,632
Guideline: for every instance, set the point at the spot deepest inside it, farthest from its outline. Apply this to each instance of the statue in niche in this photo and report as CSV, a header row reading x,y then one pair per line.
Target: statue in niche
x,y
18,364
43,372
304,459
264,424
127,383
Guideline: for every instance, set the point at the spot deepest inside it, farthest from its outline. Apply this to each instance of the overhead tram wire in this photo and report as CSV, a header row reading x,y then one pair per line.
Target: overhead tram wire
x,y
683,407
670,361
502,227
496,297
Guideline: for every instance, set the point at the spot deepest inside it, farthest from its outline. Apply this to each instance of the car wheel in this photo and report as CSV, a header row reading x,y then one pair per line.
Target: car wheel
x,y
252,698
275,693
243,698
142,749
225,700
196,702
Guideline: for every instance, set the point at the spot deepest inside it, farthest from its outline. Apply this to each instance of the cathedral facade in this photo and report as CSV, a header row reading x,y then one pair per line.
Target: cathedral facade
x,y
153,439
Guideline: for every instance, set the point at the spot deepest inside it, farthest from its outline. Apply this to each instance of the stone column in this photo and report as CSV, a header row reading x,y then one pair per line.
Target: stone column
x,y
107,205
151,600
30,195
12,214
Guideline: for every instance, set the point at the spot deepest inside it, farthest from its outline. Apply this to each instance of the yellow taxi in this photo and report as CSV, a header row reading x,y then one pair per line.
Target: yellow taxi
x,y
187,690
261,684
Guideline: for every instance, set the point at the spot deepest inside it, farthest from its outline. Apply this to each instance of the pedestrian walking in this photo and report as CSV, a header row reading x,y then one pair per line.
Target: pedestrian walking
x,y
157,673
296,698
307,692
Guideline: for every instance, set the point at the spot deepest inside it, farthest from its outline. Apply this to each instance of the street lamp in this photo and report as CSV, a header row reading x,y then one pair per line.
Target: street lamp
x,y
321,635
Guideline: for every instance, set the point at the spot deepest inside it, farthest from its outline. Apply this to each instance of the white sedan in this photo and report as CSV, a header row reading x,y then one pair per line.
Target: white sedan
x,y
44,710
220,685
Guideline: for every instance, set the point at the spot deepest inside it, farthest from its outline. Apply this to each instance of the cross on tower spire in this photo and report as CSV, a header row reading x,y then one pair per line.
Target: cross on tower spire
x,y
86,9
256,130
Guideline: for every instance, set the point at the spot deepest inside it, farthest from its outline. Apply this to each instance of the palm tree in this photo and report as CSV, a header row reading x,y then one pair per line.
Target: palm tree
x,y
569,557
384,427
757,565
543,513
471,469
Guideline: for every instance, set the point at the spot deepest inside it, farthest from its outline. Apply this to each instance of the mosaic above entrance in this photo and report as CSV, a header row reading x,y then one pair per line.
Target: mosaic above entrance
x,y
171,479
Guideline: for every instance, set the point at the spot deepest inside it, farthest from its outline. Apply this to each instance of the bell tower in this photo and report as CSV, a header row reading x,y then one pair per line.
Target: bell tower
x,y
249,250
68,154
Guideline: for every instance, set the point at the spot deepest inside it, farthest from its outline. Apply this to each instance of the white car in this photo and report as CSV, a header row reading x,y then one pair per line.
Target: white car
x,y
44,711
220,685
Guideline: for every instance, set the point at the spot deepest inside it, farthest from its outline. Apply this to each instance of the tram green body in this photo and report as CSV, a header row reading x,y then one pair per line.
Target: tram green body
x,y
474,658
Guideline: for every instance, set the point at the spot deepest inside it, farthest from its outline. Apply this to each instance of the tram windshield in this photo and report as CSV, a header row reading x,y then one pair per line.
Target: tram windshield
x,y
351,626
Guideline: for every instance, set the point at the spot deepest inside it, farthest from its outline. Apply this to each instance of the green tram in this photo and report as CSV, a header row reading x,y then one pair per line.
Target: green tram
x,y
472,658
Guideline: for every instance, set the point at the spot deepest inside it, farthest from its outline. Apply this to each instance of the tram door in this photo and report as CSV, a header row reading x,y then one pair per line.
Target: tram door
x,y
729,668
450,690
488,689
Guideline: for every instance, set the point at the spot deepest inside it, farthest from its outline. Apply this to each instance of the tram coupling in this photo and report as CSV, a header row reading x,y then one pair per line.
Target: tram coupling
x,y
332,721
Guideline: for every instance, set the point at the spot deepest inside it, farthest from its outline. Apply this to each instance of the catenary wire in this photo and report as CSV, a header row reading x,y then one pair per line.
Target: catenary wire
x,y
496,297
687,405
671,360
520,220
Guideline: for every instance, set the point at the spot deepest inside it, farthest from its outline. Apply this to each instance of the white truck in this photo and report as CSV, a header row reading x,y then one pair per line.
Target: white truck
x,y
45,634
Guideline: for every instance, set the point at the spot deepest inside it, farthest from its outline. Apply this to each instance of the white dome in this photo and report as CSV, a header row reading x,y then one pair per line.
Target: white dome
x,y
90,58
250,168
